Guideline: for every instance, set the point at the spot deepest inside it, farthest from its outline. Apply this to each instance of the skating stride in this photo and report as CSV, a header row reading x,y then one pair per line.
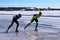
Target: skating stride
x,y
34,18
15,20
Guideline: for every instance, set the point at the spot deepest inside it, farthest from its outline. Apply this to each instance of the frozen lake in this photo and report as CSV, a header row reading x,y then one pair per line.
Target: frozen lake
x,y
48,28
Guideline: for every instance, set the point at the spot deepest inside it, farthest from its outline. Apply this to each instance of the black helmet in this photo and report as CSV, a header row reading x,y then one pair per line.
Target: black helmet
x,y
40,13
19,15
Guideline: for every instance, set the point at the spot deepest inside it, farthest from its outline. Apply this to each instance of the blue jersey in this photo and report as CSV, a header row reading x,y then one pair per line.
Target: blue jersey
x,y
16,17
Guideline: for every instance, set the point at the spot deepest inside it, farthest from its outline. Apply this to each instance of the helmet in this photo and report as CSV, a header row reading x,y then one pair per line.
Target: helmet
x,y
40,13
19,15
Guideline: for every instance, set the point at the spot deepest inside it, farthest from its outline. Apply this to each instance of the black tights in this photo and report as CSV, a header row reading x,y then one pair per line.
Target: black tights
x,y
12,24
36,20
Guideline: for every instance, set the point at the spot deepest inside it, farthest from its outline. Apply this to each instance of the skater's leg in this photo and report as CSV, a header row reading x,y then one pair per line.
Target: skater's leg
x,y
36,25
17,26
28,24
9,27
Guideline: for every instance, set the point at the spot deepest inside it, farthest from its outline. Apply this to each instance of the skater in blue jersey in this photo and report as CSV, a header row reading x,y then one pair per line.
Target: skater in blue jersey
x,y
15,20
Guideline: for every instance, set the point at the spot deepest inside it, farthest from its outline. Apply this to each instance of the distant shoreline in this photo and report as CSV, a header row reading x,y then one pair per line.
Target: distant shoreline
x,y
27,9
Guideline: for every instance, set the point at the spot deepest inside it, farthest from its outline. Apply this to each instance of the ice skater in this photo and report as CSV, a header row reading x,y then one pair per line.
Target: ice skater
x,y
34,18
15,20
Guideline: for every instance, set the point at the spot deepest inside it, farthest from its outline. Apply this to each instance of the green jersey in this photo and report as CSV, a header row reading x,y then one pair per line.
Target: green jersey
x,y
35,16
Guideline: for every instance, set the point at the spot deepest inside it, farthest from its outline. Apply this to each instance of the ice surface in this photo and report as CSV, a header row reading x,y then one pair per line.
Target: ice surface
x,y
48,27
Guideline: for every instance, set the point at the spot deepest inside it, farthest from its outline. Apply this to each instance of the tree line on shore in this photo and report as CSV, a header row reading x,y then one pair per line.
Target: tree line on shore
x,y
26,9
